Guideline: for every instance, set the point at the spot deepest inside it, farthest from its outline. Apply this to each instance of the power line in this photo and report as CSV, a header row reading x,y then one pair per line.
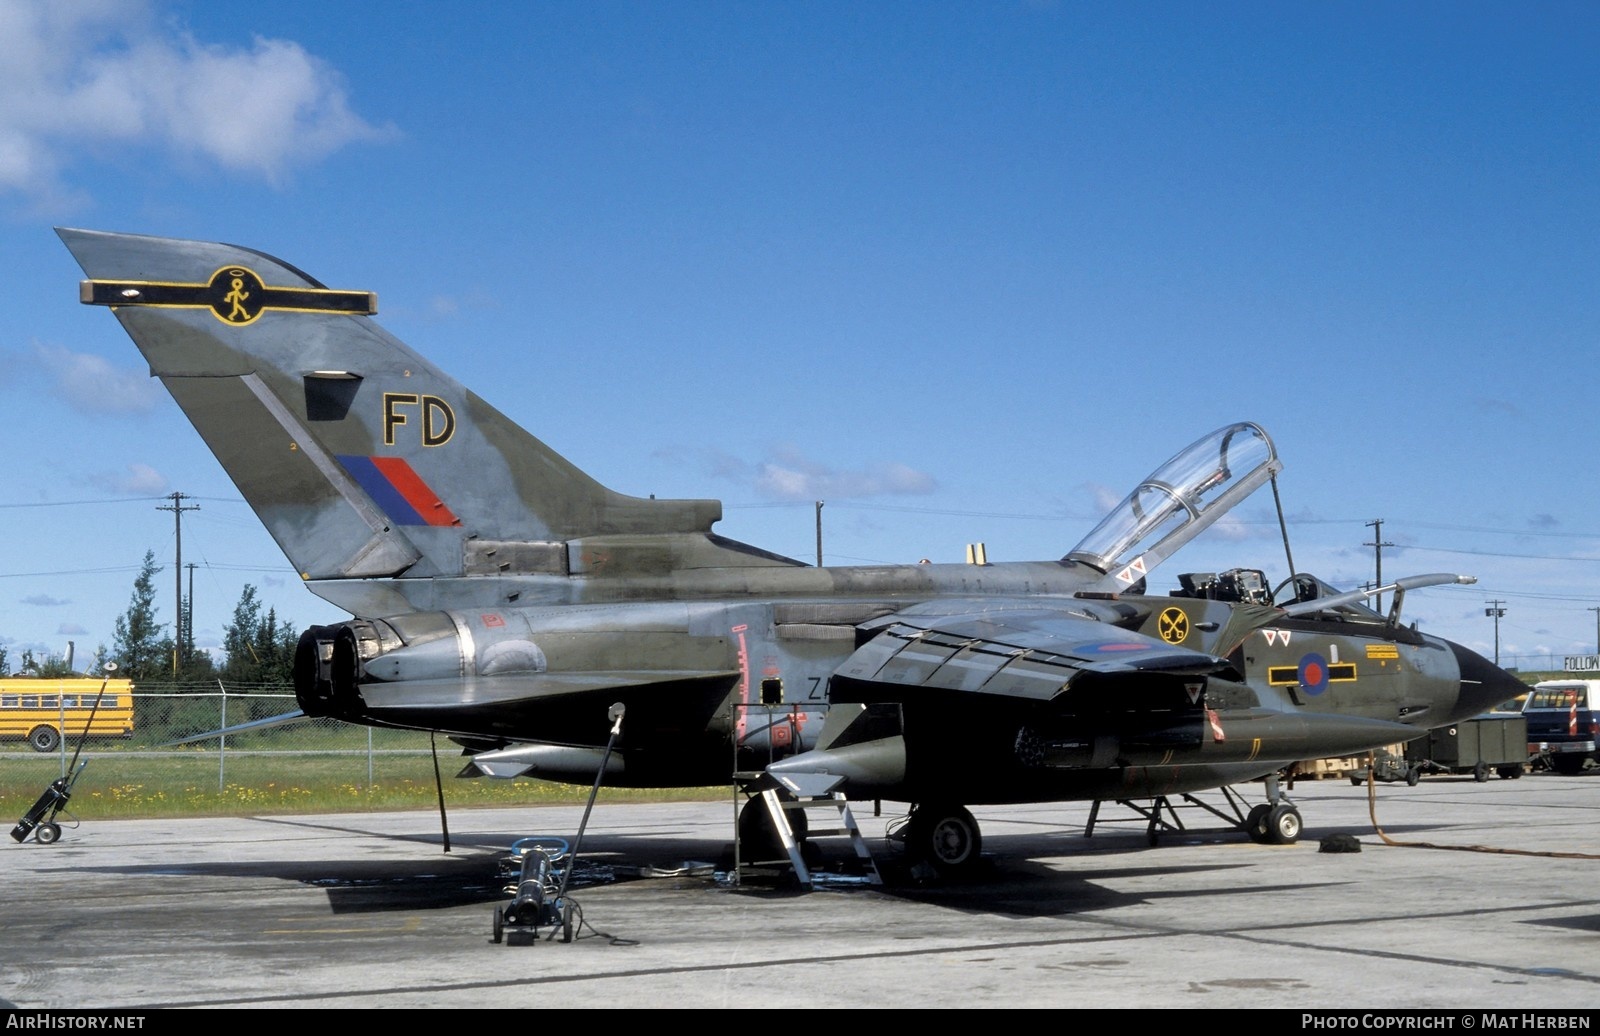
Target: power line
x,y
117,500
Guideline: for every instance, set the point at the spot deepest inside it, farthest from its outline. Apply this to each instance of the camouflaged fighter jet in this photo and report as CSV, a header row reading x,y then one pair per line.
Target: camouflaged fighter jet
x,y
504,598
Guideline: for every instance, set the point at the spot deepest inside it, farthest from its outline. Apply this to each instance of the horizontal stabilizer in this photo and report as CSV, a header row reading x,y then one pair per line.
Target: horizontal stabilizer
x,y
474,693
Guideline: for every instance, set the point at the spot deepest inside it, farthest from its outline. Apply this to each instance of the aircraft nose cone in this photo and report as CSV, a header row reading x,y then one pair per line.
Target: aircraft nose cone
x,y
1483,684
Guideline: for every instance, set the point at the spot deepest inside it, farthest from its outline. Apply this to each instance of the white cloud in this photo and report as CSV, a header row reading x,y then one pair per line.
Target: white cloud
x,y
791,476
91,385
794,477
82,76
44,601
1104,498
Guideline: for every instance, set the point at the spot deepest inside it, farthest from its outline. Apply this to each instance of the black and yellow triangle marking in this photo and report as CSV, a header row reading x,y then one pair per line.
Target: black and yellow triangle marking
x,y
235,295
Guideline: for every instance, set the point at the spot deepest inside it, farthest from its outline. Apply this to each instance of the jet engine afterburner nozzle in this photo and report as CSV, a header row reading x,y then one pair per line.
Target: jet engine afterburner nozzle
x,y
328,665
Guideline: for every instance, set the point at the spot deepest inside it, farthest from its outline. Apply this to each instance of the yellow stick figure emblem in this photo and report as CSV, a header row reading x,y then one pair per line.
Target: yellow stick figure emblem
x,y
1173,625
236,297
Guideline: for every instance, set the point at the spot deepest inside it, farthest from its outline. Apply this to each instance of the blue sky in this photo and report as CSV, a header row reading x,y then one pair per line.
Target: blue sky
x,y
964,271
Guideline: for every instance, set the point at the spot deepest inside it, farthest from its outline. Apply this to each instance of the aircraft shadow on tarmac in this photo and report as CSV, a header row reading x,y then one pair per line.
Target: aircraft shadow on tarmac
x,y
1010,879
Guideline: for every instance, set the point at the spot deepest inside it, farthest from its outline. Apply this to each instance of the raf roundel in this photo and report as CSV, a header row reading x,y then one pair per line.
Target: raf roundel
x,y
1314,673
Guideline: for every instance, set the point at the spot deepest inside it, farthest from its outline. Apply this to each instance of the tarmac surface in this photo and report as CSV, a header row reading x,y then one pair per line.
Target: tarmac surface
x,y
1489,901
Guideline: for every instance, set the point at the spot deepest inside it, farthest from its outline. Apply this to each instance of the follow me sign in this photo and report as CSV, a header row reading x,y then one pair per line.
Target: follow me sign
x,y
1582,663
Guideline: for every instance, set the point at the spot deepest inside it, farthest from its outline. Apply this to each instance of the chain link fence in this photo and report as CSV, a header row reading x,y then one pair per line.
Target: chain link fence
x,y
175,758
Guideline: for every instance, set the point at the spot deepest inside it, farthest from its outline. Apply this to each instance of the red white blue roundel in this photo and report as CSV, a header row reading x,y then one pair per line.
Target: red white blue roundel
x,y
1313,673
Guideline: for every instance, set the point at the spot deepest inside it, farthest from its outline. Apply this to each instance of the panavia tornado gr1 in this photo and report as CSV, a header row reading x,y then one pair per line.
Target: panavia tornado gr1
x,y
502,597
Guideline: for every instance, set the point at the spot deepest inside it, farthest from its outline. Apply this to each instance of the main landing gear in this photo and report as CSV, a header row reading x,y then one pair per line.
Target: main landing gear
x,y
942,836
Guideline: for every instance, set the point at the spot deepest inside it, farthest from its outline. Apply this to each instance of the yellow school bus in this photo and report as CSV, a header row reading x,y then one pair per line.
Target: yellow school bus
x,y
43,711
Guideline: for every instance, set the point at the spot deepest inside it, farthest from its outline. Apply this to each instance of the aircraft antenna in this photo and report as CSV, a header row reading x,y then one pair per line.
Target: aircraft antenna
x,y
1283,527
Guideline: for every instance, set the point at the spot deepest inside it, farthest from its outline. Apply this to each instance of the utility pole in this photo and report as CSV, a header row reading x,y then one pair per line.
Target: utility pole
x,y
1377,546
819,533
1497,613
177,508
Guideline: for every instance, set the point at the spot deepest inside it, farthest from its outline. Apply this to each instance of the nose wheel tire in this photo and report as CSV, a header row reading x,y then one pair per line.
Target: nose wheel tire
x,y
1273,824
1283,825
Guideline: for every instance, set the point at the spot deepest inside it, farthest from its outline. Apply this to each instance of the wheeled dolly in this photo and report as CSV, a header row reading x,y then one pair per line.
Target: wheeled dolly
x,y
40,821
538,901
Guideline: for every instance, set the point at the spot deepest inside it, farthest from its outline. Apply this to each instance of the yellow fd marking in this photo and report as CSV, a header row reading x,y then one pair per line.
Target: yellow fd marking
x,y
1383,651
438,420
1173,625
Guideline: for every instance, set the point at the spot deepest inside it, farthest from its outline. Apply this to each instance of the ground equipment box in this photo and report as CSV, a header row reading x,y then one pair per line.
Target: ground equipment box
x,y
1494,742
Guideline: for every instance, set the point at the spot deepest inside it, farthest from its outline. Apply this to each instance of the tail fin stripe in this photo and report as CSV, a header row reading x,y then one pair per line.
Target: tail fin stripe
x,y
417,493
396,488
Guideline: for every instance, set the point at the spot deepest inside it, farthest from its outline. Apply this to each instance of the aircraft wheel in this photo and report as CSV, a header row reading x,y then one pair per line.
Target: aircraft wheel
x,y
1283,824
499,924
44,738
47,833
1255,822
1480,772
946,837
566,922
1413,775
1567,763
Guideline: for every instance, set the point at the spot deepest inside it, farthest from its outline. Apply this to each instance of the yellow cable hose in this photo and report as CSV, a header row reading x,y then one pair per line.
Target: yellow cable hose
x,y
1372,811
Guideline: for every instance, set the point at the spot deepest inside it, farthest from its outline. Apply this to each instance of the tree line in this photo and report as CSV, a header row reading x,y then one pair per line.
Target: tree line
x,y
258,649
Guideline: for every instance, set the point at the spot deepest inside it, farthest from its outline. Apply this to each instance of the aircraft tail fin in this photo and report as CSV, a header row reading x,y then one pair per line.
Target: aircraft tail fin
x,y
363,459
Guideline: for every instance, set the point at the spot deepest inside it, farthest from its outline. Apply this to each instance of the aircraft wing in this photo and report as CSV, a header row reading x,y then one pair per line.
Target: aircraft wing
x,y
1020,648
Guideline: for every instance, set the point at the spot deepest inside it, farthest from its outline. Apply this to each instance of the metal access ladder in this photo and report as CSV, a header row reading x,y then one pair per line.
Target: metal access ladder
x,y
780,809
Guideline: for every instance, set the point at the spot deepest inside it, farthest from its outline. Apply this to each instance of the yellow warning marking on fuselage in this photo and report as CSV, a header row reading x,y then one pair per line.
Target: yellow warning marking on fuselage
x,y
1383,651
1288,675
1255,749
